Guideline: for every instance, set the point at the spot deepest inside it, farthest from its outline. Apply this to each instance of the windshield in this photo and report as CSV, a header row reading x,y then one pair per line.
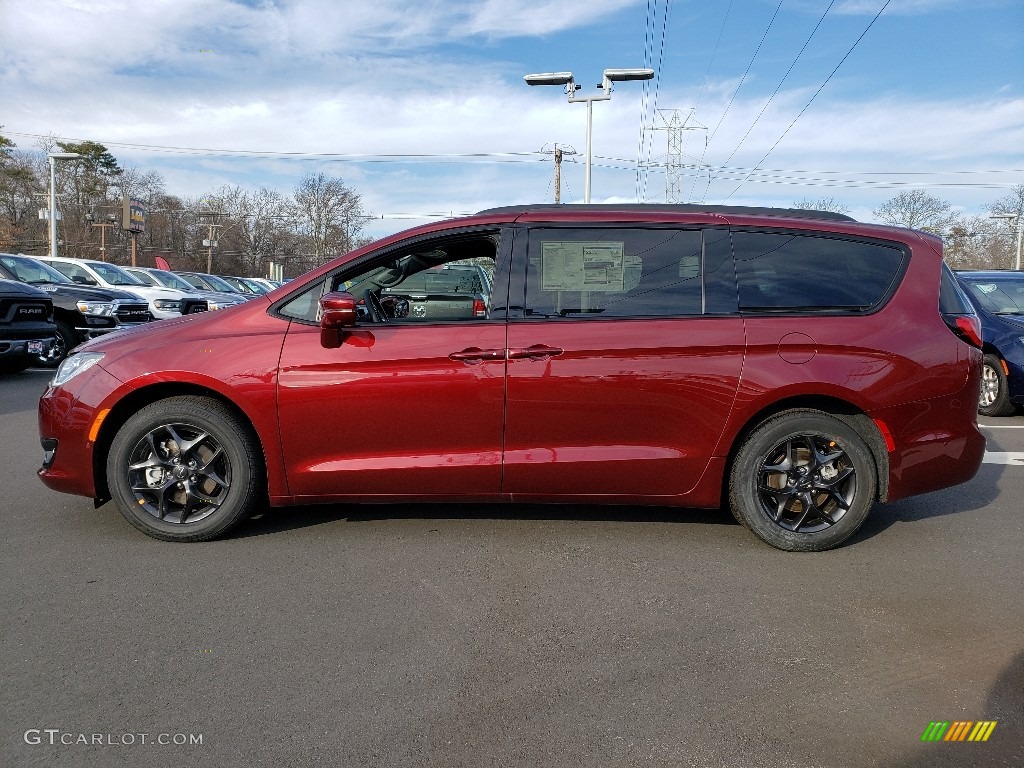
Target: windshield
x,y
114,275
999,296
145,277
237,284
218,284
170,280
31,271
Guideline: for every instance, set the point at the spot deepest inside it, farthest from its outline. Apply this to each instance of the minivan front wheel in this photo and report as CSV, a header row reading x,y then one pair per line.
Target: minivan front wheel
x,y
184,469
995,395
803,481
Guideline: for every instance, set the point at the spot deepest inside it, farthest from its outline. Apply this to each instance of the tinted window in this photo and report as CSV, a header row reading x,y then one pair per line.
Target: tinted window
x,y
613,272
786,271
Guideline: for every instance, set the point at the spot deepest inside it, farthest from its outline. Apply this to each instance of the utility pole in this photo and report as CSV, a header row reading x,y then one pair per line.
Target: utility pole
x,y
102,226
210,243
559,153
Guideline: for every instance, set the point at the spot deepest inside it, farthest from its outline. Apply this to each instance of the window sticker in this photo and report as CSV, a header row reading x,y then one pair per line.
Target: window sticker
x,y
987,287
581,266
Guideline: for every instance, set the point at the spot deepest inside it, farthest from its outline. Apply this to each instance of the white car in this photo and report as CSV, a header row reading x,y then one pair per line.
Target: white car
x,y
164,303
161,277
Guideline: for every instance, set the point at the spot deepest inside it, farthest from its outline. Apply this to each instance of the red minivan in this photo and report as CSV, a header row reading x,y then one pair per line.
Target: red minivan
x,y
798,366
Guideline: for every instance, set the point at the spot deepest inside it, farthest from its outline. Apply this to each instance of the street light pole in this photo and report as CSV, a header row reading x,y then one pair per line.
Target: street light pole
x,y
1020,231
571,86
54,157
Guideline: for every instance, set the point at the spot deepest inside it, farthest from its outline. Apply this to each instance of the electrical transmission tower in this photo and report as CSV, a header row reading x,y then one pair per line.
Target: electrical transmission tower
x,y
670,121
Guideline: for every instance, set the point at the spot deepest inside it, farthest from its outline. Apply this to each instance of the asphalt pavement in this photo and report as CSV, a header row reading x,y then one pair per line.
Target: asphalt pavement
x,y
507,635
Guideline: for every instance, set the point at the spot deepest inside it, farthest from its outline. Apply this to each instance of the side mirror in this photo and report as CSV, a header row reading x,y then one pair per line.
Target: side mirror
x,y
83,280
337,312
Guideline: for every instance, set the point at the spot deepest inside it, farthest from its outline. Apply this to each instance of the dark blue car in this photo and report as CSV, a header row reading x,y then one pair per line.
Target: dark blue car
x,y
999,299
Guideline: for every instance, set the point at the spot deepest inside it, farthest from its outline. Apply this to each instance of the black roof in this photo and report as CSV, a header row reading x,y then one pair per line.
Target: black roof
x,y
736,210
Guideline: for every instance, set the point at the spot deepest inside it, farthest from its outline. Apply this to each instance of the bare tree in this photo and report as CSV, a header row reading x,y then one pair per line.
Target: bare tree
x,y
330,215
830,204
917,209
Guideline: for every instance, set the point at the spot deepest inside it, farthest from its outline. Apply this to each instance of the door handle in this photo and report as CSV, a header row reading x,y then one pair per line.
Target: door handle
x,y
477,355
535,352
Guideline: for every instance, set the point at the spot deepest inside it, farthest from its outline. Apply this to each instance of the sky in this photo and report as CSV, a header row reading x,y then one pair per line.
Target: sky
x,y
421,107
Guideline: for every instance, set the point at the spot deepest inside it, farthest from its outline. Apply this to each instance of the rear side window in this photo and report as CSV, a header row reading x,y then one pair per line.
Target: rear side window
x,y
792,272
613,272
951,299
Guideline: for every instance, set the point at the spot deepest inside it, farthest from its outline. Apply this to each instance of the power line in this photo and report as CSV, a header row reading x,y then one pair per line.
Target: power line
x,y
657,86
747,71
781,82
811,100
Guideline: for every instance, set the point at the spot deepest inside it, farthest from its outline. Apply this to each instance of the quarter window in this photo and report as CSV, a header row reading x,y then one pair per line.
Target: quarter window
x,y
613,272
799,272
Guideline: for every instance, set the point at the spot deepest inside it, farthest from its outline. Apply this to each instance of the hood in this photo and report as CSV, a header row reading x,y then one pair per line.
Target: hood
x,y
13,289
87,292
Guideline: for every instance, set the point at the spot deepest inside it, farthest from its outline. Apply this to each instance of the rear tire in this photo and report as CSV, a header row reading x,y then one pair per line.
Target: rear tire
x,y
995,395
803,481
185,469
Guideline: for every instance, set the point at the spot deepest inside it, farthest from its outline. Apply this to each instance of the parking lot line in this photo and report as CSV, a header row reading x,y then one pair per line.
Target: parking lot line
x,y
1004,457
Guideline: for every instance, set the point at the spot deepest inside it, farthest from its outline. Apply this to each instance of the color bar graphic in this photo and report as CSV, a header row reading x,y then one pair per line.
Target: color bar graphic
x,y
958,730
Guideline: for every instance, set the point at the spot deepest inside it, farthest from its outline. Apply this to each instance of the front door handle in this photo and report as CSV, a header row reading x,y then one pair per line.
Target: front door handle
x,y
477,355
535,352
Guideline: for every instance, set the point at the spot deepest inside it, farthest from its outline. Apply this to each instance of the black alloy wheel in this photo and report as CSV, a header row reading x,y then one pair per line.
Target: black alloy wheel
x,y
65,339
803,481
184,469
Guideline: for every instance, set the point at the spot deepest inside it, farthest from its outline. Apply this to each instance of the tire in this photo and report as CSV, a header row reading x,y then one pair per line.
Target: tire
x,y
185,469
995,395
65,341
803,481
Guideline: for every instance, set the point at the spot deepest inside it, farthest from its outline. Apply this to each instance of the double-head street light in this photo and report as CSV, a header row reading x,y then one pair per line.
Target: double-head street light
x,y
1020,231
571,86
54,157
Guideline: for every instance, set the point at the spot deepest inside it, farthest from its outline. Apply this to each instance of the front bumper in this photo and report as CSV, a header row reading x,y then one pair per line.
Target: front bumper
x,y
69,420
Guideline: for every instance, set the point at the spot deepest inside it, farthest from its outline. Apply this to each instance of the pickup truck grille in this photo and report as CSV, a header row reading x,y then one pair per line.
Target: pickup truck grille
x,y
133,313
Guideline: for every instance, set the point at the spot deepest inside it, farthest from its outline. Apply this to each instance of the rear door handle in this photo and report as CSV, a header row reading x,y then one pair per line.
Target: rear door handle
x,y
535,352
477,355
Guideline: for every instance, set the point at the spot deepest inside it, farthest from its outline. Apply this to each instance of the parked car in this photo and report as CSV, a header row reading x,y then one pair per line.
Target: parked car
x,y
27,330
242,285
164,303
269,285
798,365
207,282
161,277
998,297
80,312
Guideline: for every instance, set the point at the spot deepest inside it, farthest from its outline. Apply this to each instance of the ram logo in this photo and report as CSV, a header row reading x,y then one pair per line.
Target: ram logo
x,y
32,311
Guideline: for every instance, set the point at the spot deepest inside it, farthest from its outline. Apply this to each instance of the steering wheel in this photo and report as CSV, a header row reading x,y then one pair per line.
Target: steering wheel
x,y
377,313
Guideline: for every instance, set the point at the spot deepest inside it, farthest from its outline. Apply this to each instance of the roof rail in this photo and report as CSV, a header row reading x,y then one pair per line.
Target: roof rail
x,y
736,210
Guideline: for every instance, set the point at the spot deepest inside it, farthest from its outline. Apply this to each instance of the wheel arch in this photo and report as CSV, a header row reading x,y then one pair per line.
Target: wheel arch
x,y
841,409
140,398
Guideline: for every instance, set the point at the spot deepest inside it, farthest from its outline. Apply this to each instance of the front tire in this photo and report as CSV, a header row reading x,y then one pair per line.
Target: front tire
x,y
64,341
185,469
995,395
803,481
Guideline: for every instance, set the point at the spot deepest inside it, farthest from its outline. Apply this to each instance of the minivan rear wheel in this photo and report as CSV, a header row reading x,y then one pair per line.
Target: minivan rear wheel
x,y
995,395
803,481
184,469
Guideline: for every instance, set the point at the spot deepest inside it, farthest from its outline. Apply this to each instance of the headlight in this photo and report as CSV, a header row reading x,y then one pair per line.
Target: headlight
x,y
167,305
99,308
74,365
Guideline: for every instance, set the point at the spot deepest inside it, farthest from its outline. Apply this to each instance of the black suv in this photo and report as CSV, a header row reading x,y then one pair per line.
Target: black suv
x,y
80,312
26,325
